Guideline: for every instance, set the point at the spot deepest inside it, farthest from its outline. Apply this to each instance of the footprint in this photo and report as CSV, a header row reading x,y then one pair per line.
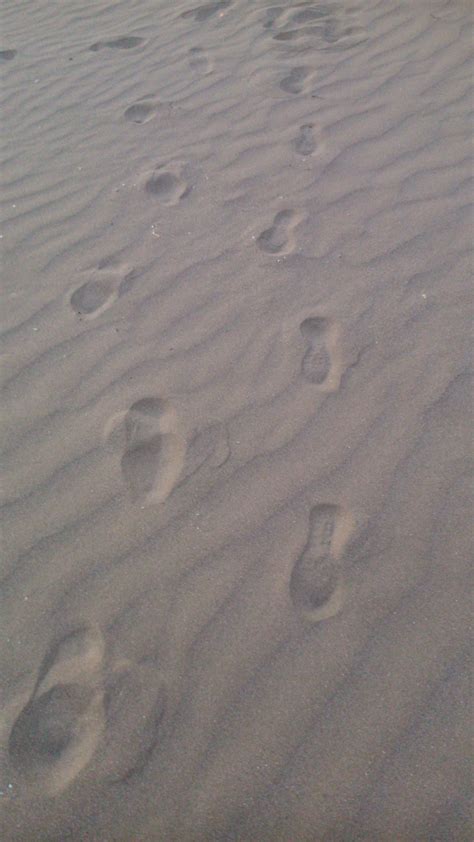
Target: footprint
x,y
50,731
305,143
288,21
126,42
155,453
290,34
7,55
208,10
313,13
331,32
154,450
140,112
199,60
84,714
92,297
278,239
309,31
99,293
324,23
167,185
135,702
296,81
56,733
320,363
316,586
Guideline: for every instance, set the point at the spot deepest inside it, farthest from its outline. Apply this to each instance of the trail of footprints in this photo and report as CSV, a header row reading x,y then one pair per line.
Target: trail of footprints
x,y
82,713
85,712
308,26
316,25
155,454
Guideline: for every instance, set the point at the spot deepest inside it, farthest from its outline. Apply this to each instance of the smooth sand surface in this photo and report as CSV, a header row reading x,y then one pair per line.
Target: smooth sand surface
x,y
236,408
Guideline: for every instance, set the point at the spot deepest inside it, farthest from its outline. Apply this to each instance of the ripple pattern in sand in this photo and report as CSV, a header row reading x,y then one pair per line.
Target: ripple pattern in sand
x,y
231,319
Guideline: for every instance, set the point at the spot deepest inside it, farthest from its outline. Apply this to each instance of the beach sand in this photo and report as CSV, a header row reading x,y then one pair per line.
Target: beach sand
x,y
236,407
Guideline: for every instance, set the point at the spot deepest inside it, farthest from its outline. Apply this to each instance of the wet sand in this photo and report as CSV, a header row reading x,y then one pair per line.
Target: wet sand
x,y
236,253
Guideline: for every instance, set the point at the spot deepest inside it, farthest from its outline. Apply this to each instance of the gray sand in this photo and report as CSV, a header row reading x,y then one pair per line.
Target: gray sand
x,y
236,420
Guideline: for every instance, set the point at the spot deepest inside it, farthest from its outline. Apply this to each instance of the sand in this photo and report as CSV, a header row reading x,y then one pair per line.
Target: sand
x,y
236,495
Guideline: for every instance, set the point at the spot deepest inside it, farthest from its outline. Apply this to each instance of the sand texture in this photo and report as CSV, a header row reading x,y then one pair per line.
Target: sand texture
x,y
236,410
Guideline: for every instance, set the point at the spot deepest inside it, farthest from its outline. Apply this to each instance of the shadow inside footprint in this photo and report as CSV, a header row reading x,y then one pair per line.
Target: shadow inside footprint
x,y
154,452
140,112
100,292
155,407
56,733
199,60
301,34
206,11
295,82
315,579
140,464
277,239
126,42
7,55
305,143
92,297
167,187
48,725
316,364
313,13
313,583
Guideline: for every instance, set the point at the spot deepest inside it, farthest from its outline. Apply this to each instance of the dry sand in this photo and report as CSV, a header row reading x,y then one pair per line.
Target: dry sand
x,y
236,493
